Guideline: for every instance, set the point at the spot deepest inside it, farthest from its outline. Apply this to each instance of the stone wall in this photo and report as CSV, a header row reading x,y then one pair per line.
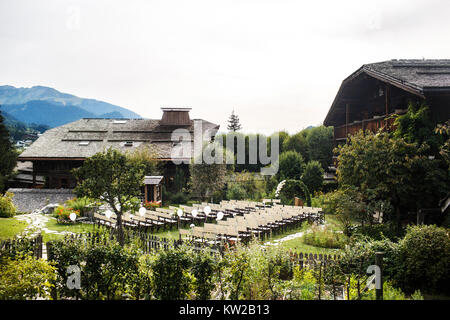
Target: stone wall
x,y
27,200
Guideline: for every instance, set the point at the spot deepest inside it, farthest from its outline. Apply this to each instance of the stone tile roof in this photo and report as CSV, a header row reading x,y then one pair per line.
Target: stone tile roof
x,y
85,137
420,75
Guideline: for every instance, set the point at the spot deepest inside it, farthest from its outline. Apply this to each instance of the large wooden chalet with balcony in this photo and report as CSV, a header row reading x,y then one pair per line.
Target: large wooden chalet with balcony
x,y
369,96
61,149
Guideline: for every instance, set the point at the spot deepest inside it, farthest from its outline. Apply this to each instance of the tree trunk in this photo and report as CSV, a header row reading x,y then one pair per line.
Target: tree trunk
x,y
120,236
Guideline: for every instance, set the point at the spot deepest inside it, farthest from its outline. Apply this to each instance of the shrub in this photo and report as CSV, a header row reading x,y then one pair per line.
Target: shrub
x,y
236,192
304,285
26,278
378,231
152,205
425,259
324,238
292,189
109,271
203,268
313,176
391,293
170,278
80,204
62,214
291,165
7,208
179,198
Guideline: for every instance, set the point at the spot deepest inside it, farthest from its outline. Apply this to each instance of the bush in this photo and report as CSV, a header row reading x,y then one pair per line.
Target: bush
x,y
236,192
291,165
108,270
203,269
179,198
7,208
170,278
378,231
324,238
62,214
26,278
80,204
313,176
425,259
292,189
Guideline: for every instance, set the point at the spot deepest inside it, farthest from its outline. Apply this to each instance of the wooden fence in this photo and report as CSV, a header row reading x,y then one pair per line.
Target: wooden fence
x,y
14,246
311,259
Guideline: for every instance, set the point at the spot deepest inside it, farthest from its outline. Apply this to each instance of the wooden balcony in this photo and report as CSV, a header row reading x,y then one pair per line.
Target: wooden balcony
x,y
373,125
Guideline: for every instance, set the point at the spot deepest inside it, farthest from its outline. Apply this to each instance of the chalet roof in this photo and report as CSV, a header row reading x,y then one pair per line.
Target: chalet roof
x,y
153,179
85,137
419,77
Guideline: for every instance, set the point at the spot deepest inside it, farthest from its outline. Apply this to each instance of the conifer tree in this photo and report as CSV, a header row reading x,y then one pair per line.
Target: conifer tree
x,y
233,123
8,156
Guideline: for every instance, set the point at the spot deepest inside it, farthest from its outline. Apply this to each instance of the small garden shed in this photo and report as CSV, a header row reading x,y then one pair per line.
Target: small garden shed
x,y
153,188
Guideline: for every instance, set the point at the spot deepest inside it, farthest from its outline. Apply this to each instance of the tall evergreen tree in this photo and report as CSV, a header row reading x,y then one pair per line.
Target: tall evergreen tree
x,y
8,156
233,123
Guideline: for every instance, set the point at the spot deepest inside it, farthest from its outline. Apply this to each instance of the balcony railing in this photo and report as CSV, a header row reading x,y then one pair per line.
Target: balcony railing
x,y
373,125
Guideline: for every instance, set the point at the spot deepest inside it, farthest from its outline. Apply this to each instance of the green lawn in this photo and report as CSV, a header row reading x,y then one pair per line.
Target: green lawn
x,y
297,245
75,228
10,227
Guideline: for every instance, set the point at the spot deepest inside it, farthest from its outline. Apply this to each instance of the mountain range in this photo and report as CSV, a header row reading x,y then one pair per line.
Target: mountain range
x,y
48,106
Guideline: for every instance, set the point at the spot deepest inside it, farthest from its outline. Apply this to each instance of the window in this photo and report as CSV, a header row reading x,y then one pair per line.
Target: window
x,y
83,143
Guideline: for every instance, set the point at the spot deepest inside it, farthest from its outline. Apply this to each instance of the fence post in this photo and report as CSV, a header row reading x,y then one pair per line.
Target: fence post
x,y
379,263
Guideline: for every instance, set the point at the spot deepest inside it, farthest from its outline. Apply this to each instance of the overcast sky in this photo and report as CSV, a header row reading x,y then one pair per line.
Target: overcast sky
x,y
277,63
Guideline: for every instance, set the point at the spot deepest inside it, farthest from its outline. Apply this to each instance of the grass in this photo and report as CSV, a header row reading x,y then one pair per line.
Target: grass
x,y
10,227
297,245
75,228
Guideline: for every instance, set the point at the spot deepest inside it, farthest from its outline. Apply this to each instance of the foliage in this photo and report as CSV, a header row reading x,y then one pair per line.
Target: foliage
x,y
444,130
320,145
390,292
304,285
318,200
207,178
145,156
109,176
233,123
294,188
313,176
8,156
7,208
80,205
179,198
378,231
379,167
108,270
416,126
250,185
26,278
236,192
63,214
290,165
179,180
324,238
170,277
425,259
152,205
203,269
297,143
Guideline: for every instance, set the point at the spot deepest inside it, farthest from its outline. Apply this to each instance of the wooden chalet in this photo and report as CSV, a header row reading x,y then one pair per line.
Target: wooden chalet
x,y
372,94
55,153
